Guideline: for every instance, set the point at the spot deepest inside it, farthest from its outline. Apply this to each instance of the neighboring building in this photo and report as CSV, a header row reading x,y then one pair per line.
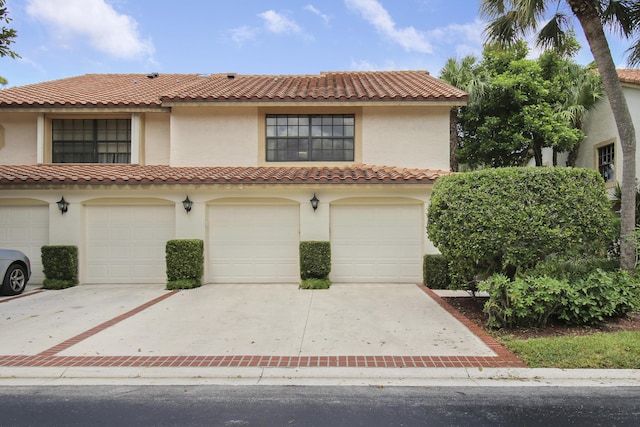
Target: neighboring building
x,y
250,152
601,149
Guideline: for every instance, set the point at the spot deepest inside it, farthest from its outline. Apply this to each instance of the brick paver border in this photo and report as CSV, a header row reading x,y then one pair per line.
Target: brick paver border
x,y
50,357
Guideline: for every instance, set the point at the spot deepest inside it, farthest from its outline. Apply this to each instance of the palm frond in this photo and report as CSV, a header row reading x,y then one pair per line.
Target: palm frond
x,y
620,16
554,34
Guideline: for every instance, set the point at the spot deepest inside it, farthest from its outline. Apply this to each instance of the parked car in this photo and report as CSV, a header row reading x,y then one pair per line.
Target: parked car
x,y
15,271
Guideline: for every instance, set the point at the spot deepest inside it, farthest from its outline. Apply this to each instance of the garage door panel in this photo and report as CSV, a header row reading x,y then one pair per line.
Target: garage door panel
x,y
26,228
253,244
126,244
376,243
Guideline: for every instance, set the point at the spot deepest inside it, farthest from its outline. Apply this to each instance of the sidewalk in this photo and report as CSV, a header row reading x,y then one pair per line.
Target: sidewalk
x,y
378,334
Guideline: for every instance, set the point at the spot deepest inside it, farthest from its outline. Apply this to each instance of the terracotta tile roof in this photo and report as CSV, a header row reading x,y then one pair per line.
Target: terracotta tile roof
x,y
102,174
97,90
137,90
330,86
629,75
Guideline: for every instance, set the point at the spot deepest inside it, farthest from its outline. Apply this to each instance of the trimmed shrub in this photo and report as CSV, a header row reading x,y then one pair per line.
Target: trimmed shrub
x,y
533,301
315,260
435,271
60,266
315,284
509,219
185,263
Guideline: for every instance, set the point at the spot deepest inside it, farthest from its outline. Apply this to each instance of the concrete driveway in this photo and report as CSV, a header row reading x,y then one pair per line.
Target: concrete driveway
x,y
364,325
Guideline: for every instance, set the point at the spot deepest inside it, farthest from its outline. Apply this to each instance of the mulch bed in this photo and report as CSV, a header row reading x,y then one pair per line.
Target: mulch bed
x,y
472,309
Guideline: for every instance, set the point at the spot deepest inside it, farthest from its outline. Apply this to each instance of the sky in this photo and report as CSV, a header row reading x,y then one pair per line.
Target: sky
x,y
64,38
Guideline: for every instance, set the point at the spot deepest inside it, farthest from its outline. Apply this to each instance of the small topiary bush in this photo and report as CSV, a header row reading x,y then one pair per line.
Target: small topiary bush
x,y
60,266
185,263
509,219
315,260
315,284
435,271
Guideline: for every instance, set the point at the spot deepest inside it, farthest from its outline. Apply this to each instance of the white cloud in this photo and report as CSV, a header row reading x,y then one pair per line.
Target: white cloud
x,y
467,38
323,16
96,21
278,23
243,34
364,65
373,12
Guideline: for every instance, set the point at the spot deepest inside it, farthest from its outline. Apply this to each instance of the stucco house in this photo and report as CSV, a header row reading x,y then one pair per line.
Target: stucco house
x,y
248,151
601,149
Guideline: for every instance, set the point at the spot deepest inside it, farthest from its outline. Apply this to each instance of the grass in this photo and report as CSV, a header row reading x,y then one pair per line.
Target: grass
x,y
618,350
315,284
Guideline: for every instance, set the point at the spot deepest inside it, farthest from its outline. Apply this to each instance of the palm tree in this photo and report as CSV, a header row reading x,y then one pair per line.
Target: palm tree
x,y
513,19
464,75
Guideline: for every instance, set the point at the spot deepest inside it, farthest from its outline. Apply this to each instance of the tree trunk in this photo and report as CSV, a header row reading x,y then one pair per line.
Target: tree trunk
x,y
592,25
453,139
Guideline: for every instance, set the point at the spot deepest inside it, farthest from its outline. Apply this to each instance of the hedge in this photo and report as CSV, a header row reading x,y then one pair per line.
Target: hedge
x,y
435,271
185,263
315,260
60,266
502,220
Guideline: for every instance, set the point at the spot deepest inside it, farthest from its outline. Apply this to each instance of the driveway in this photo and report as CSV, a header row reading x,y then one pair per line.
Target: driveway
x,y
364,325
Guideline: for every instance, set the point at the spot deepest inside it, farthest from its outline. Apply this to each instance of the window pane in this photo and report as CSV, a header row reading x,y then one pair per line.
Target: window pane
x,y
298,134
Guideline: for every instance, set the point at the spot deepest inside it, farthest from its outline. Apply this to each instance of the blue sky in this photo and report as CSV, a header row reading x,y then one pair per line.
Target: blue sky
x,y
64,38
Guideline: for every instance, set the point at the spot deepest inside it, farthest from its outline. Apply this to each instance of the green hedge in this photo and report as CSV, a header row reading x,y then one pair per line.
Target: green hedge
x,y
508,219
315,260
435,271
60,266
185,263
574,300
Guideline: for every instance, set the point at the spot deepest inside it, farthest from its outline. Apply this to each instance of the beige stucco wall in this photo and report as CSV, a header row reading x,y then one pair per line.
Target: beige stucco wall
x,y
18,138
156,144
600,129
414,137
220,136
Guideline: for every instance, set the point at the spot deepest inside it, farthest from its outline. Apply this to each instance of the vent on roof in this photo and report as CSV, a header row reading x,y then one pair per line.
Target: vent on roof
x,y
152,75
231,76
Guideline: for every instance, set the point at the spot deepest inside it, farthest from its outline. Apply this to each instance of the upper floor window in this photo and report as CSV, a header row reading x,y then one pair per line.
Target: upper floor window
x,y
310,137
91,140
606,162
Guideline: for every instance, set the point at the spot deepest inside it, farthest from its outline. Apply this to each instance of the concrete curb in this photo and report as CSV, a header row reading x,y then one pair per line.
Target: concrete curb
x,y
381,377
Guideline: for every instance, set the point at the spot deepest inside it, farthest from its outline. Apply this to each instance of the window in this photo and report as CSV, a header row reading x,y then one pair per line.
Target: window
x,y
606,162
310,138
91,140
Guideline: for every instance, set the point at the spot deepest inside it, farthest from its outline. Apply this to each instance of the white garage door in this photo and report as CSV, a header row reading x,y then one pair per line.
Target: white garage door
x,y
126,244
26,228
376,243
254,243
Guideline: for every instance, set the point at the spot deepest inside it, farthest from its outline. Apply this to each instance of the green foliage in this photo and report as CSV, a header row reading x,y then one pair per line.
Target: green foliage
x,y
315,284
528,301
576,300
570,268
509,219
520,106
60,266
185,263
315,260
435,269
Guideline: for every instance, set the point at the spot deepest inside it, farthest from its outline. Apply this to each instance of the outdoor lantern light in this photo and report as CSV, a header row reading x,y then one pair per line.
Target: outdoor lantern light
x,y
63,205
187,204
314,202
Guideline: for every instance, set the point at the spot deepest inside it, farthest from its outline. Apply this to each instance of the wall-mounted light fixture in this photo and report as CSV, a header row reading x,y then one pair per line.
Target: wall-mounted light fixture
x,y
314,202
63,205
188,204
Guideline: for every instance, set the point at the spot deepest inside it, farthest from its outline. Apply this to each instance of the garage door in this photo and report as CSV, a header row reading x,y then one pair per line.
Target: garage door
x,y
26,228
126,244
254,243
376,243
